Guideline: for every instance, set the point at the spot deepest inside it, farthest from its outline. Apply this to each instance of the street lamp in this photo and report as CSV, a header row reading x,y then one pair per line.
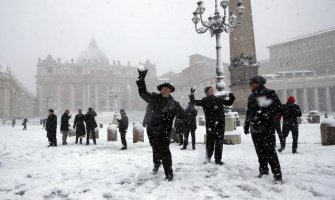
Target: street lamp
x,y
216,25
115,92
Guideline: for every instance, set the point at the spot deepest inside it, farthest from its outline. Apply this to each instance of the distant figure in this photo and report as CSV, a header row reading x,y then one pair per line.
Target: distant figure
x,y
215,121
64,126
290,113
51,128
41,121
191,124
44,123
123,127
79,126
263,108
180,127
24,124
91,124
13,122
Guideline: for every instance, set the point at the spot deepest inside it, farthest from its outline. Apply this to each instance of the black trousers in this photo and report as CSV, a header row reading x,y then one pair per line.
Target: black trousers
x,y
187,133
214,142
294,128
279,133
123,138
52,139
88,135
24,127
266,152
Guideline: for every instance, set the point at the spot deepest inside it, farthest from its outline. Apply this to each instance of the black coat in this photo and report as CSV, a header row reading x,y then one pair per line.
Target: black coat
x,y
191,115
162,110
79,125
123,124
64,125
264,107
51,125
24,123
290,112
214,111
180,125
91,124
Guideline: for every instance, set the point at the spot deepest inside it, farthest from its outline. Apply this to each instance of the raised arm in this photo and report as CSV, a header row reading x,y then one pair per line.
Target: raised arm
x,y
229,102
142,88
192,99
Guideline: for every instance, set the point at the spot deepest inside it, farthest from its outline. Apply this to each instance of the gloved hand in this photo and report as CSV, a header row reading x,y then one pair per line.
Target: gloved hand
x,y
192,90
231,96
74,126
246,128
142,74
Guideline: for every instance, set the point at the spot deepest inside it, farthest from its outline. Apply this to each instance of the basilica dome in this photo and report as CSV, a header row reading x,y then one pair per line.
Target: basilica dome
x,y
92,55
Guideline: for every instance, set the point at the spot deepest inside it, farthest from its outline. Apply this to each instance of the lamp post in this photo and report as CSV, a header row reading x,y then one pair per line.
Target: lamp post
x,y
115,92
216,25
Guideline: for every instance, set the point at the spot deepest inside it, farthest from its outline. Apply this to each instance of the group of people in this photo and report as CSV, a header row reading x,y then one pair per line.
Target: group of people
x,y
263,110
84,124
24,123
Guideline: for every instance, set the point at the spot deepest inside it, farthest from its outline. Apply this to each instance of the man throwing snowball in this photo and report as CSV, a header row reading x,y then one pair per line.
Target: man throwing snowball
x,y
163,109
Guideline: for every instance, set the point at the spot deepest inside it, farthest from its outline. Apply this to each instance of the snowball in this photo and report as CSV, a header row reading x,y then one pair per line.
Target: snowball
x,y
141,68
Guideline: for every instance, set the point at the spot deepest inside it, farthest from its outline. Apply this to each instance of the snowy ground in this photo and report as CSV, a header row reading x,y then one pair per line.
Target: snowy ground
x,y
30,170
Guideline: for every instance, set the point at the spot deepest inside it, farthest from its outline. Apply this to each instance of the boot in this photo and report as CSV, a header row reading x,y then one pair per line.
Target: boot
x,y
281,149
94,141
124,148
76,140
219,162
156,168
193,147
294,151
81,141
87,142
169,177
278,179
262,174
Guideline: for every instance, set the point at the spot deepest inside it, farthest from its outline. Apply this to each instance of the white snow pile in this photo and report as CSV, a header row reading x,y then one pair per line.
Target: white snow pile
x,y
31,170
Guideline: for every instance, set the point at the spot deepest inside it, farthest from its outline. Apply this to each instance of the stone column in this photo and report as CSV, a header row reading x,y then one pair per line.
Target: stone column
x,y
295,94
305,100
328,99
89,103
84,98
284,96
72,103
316,99
96,97
107,99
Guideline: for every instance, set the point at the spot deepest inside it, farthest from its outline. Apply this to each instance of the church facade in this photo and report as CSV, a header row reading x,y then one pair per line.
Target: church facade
x,y
88,83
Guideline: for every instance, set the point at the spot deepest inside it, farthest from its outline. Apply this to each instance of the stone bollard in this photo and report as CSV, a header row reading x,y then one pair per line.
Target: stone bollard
x,y
72,132
230,122
313,117
112,132
96,132
138,133
328,132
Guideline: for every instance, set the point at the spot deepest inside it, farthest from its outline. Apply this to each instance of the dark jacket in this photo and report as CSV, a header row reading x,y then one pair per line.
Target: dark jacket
x,y
162,110
79,125
24,123
191,115
180,124
91,124
123,124
290,112
64,125
51,125
263,108
214,111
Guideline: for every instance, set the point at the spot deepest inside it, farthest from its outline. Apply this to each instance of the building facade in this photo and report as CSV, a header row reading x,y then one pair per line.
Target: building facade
x,y
88,82
15,100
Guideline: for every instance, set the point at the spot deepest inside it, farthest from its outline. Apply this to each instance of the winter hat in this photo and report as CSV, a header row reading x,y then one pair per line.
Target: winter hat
x,y
51,110
258,79
290,99
159,87
207,88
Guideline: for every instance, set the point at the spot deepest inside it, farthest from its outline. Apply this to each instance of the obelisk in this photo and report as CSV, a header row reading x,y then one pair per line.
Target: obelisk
x,y
242,56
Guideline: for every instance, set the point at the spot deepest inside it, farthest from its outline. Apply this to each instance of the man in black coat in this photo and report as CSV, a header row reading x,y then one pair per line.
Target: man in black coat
x,y
123,127
290,113
263,108
191,124
163,109
79,126
215,121
24,123
64,126
51,128
91,124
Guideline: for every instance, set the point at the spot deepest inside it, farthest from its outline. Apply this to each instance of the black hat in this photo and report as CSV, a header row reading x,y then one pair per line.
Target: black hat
x,y
258,79
51,110
159,87
207,88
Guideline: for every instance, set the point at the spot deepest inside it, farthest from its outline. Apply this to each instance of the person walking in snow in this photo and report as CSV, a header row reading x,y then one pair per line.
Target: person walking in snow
x,y
191,125
123,127
24,124
79,126
263,108
215,121
290,113
51,128
91,124
159,121
13,122
64,126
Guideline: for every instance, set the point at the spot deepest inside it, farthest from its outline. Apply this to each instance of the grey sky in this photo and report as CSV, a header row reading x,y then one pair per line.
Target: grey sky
x,y
135,30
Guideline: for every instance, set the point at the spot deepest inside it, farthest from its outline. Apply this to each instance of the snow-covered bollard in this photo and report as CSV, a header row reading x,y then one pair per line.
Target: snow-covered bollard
x,y
72,132
328,132
96,132
230,122
138,133
313,117
112,132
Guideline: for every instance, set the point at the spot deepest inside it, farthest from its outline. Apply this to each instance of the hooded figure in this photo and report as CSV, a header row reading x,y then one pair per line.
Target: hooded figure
x,y
161,111
263,108
215,121
290,113
79,126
